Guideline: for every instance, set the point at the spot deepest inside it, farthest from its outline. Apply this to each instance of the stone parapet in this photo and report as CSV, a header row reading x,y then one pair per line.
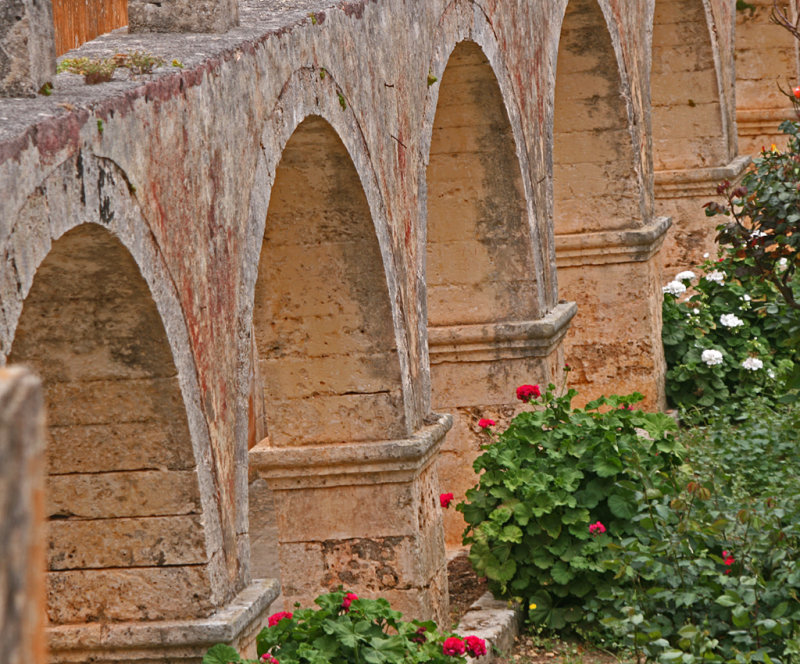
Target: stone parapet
x,y
182,15
27,47
22,532
681,194
614,343
236,624
365,516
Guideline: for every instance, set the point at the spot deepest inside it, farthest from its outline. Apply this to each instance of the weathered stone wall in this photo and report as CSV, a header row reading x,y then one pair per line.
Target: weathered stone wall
x,y
347,217
22,536
766,62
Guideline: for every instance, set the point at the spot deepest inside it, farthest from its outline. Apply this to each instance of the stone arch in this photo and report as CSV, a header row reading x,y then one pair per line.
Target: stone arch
x,y
314,91
595,182
479,252
126,533
463,22
687,114
322,320
49,244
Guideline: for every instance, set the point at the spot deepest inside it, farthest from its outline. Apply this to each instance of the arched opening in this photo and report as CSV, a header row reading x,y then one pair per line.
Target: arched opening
x,y
325,346
479,262
686,111
480,275
595,187
126,537
326,369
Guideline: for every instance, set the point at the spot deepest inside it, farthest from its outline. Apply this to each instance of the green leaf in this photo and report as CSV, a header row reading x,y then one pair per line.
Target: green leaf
x,y
222,654
621,507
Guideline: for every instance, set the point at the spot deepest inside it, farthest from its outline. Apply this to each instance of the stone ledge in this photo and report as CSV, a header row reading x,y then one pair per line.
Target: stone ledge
x,y
694,182
762,121
496,621
168,640
500,341
603,248
349,464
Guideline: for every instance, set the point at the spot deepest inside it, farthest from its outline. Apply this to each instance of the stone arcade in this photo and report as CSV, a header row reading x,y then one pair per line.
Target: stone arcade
x,y
270,294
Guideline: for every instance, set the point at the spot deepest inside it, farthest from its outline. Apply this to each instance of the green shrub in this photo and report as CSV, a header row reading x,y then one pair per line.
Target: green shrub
x,y
711,571
726,338
546,478
348,630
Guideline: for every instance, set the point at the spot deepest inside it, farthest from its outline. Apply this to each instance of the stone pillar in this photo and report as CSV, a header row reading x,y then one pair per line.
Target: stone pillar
x,y
681,194
766,57
22,534
614,344
27,47
364,516
182,15
475,370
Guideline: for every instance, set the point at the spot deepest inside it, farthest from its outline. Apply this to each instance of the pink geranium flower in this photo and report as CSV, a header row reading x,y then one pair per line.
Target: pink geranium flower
x,y
445,499
485,423
597,528
348,600
275,618
475,646
527,392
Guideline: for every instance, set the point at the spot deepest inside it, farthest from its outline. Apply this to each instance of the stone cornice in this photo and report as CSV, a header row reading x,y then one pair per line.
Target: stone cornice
x,y
349,464
607,247
499,341
762,121
166,639
694,182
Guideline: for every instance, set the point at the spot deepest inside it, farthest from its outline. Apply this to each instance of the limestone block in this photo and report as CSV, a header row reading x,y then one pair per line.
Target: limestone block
x,y
116,447
22,533
27,47
182,15
116,595
159,641
135,493
143,542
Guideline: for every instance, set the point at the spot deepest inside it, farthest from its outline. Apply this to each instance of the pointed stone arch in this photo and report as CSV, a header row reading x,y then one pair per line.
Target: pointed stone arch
x,y
322,317
595,183
487,329
687,109
479,249
123,502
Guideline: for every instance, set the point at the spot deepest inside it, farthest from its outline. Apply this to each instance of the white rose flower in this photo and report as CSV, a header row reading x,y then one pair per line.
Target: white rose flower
x,y
711,357
770,373
683,276
746,297
730,320
675,288
717,276
695,311
782,263
705,255
753,364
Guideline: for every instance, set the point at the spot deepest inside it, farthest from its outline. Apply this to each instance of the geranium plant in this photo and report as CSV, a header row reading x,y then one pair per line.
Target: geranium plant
x,y
347,629
554,486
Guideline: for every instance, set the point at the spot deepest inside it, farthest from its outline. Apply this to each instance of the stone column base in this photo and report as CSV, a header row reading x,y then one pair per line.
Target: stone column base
x,y
758,128
168,641
681,195
364,516
614,343
475,370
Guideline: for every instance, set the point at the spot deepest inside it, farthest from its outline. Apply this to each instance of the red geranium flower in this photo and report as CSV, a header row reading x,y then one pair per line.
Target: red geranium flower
x,y
485,423
348,600
453,646
268,659
597,528
445,499
275,618
527,392
727,560
475,646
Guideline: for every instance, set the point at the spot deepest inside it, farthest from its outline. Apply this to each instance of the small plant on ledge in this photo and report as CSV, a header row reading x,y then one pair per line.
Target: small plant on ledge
x,y
101,70
349,630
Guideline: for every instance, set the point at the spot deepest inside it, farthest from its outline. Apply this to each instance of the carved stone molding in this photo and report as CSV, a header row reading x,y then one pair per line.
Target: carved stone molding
x,y
697,181
236,624
628,246
500,341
